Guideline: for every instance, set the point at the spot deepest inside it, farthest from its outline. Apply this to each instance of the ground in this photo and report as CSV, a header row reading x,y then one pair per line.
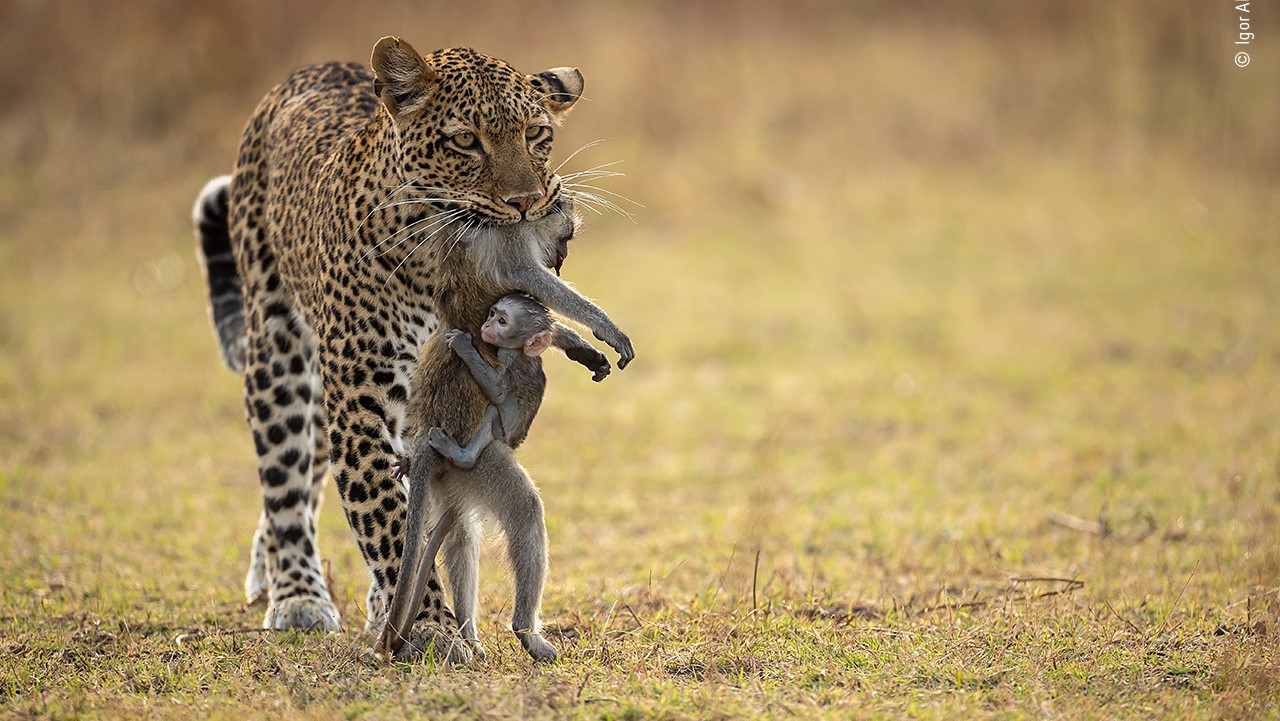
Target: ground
x,y
949,402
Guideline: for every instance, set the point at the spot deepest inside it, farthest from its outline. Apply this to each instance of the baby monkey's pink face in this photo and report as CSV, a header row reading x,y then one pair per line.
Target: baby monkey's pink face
x,y
499,328
503,327
512,326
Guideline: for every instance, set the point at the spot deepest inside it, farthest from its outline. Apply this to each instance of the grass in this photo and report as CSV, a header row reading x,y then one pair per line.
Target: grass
x,y
949,401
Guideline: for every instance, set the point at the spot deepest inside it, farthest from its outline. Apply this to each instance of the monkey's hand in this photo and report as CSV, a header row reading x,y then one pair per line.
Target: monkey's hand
x,y
577,349
457,338
591,358
400,465
618,341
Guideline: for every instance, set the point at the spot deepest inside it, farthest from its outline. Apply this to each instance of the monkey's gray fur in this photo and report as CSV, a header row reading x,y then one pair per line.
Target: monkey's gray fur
x,y
500,260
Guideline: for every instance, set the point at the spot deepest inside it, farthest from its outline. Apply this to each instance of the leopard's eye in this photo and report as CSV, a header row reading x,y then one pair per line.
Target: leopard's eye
x,y
534,133
465,141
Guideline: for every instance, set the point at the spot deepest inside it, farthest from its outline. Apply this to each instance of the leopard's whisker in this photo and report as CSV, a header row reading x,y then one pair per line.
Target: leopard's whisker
x,y
452,238
414,226
388,202
584,194
405,259
430,221
591,200
458,236
591,144
393,234
421,243
610,205
470,228
597,168
423,201
586,203
588,178
590,175
444,191
439,223
598,189
406,184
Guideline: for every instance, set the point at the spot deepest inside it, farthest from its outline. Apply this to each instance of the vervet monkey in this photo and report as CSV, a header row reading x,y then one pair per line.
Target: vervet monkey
x,y
447,397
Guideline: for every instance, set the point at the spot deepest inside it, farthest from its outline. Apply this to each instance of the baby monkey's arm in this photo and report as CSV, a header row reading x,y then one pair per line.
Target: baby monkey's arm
x,y
492,382
577,349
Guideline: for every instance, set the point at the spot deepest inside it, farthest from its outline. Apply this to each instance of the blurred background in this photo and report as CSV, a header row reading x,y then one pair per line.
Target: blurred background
x,y
719,111
903,278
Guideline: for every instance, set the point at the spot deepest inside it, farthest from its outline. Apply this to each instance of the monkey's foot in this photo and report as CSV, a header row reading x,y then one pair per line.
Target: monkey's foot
x,y
538,647
446,446
305,613
478,650
446,647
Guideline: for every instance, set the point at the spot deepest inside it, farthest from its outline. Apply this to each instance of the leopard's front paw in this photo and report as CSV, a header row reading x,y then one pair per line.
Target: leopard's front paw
x,y
305,613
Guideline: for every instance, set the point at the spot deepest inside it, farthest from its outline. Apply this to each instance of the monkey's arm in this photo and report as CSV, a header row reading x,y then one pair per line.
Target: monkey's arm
x,y
465,458
579,350
495,387
563,299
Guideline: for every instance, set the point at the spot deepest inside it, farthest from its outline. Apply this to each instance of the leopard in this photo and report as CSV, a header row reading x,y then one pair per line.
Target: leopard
x,y
326,254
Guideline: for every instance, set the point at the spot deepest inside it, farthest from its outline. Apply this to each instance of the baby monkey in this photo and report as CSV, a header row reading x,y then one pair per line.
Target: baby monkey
x,y
520,328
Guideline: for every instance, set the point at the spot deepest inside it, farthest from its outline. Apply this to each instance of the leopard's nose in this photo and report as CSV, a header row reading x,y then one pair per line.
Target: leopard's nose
x,y
522,203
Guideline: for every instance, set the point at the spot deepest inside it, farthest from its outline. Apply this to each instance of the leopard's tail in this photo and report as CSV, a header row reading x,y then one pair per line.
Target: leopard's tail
x,y
226,296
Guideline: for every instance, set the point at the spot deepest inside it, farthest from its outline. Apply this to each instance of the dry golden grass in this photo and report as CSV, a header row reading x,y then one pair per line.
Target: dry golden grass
x,y
956,392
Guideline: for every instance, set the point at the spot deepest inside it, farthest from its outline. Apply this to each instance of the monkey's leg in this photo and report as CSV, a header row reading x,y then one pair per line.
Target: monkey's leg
x,y
504,488
464,458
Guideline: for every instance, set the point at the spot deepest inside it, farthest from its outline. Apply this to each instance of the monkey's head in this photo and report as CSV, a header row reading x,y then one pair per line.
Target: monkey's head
x,y
565,227
518,322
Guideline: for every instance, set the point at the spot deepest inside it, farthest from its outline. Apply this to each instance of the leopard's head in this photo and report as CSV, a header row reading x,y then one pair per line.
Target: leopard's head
x,y
473,132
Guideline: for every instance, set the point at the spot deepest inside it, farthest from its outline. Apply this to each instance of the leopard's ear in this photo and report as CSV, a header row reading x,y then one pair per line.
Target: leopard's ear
x,y
560,88
402,78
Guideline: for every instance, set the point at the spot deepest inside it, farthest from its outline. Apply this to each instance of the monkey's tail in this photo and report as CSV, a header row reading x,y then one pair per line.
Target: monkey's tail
x,y
226,295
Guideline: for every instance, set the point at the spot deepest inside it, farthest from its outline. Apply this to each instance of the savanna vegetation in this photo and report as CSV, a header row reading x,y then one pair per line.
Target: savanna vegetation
x,y
956,396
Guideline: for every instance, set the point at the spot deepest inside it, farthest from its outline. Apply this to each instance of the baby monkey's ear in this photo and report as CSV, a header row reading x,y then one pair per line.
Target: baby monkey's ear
x,y
537,343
